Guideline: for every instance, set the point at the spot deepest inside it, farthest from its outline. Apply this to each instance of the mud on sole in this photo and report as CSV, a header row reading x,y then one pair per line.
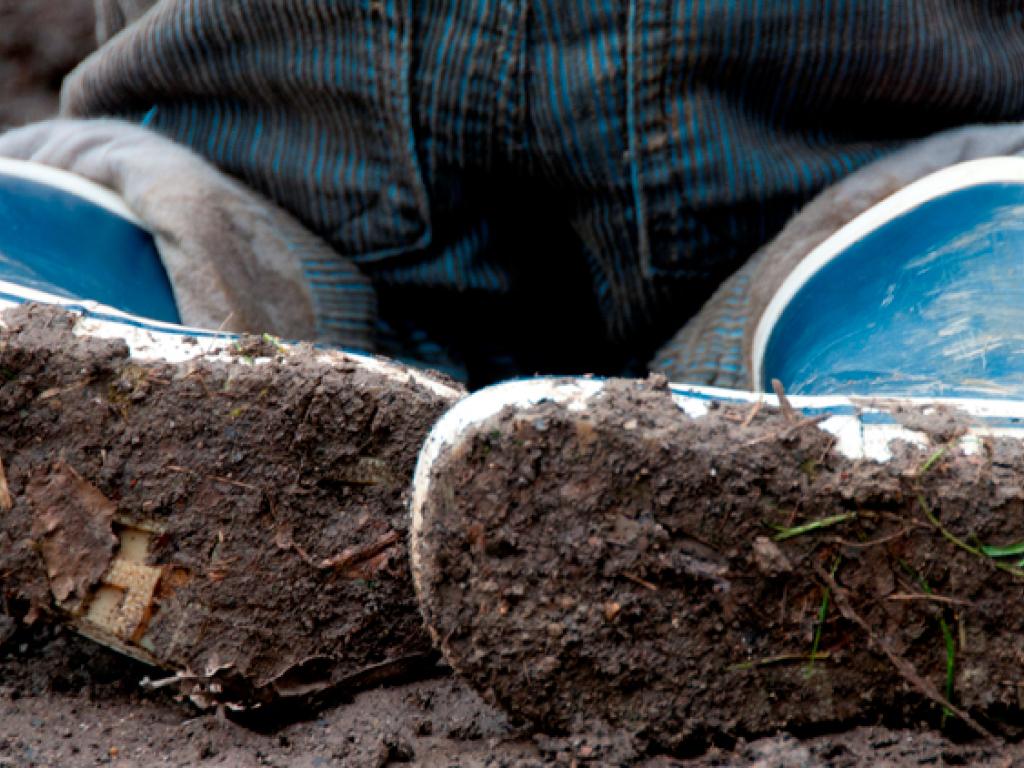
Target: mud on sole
x,y
695,564
232,510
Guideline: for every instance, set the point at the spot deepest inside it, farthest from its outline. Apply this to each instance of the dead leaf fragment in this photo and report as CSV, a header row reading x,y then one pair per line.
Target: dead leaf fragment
x,y
73,529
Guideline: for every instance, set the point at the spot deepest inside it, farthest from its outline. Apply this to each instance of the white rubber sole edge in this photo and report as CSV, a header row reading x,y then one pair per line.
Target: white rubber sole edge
x,y
151,339
864,428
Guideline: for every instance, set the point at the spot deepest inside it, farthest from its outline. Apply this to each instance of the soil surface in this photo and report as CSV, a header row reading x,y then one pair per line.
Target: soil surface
x,y
65,701
40,42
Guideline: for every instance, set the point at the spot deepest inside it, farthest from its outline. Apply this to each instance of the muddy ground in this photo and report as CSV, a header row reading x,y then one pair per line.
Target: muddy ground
x,y
66,702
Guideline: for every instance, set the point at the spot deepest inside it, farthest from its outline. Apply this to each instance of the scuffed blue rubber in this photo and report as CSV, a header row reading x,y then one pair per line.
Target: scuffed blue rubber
x,y
930,304
55,241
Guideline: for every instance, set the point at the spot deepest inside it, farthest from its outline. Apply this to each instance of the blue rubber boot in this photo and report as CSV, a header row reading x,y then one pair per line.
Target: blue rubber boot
x,y
899,280
65,240
922,295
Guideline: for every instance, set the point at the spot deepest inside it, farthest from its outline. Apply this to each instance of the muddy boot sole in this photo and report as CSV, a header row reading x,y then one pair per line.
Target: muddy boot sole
x,y
690,568
232,510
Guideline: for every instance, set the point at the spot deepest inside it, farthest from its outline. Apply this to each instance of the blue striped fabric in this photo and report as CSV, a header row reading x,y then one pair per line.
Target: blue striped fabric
x,y
437,143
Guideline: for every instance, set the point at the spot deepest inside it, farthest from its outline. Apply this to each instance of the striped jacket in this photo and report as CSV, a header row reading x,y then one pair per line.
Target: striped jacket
x,y
548,184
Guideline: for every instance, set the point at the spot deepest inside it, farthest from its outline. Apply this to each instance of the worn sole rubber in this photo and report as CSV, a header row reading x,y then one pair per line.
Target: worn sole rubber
x,y
233,510
696,564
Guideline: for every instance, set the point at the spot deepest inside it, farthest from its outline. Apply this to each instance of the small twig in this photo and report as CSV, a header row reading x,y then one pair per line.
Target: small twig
x,y
225,322
197,374
903,667
754,410
784,405
642,582
791,429
809,421
782,658
6,502
147,684
284,539
353,556
49,394
236,483
873,542
790,413
909,596
830,443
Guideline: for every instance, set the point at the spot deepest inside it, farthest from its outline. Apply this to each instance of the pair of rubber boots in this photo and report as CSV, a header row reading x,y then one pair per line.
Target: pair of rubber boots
x,y
273,522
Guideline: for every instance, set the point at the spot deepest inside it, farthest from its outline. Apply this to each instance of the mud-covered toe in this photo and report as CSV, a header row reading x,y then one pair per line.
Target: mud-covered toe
x,y
232,510
689,564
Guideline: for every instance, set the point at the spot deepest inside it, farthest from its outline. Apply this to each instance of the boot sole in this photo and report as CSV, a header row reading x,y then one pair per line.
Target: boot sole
x,y
690,564
230,509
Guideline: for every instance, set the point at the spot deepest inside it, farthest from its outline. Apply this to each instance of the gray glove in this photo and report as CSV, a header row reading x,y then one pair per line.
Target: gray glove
x,y
715,346
235,260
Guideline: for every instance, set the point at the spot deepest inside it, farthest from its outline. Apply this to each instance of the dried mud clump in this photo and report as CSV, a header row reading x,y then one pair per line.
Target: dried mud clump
x,y
700,579
240,522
